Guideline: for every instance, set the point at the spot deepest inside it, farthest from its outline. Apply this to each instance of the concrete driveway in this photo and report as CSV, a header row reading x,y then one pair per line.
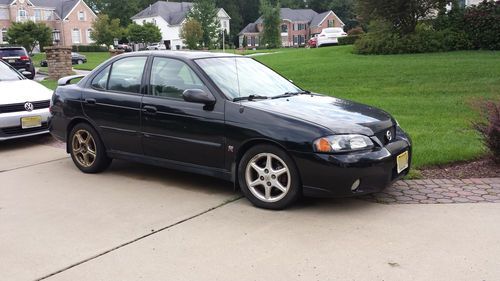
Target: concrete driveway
x,y
137,222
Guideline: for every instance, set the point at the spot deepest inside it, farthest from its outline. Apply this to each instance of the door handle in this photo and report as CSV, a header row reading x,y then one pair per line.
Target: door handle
x,y
90,101
148,109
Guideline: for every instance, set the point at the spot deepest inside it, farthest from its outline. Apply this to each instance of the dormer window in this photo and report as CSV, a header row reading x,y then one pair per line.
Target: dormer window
x,y
81,16
22,13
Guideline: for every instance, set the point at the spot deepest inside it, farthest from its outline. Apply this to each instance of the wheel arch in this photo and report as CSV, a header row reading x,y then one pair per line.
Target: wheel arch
x,y
249,144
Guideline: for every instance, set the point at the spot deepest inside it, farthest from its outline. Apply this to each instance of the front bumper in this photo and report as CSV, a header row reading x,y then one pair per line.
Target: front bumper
x,y
332,175
10,124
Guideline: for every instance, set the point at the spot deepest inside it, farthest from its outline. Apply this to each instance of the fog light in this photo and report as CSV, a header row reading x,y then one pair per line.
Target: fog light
x,y
355,185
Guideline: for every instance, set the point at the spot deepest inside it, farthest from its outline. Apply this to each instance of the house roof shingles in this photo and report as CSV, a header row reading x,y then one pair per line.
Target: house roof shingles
x,y
172,12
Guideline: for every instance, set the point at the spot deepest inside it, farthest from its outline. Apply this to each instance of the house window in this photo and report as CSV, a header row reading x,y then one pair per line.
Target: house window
x,y
47,15
38,15
284,28
295,39
330,23
3,35
21,13
81,16
4,13
89,38
301,26
75,36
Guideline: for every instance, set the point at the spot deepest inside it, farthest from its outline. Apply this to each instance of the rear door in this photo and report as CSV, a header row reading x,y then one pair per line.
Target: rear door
x,y
177,130
113,103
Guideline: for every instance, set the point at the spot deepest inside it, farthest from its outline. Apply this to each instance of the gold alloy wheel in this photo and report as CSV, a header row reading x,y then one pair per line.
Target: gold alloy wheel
x,y
83,148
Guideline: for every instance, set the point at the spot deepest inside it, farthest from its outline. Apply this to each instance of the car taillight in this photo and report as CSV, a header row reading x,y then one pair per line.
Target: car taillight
x,y
25,58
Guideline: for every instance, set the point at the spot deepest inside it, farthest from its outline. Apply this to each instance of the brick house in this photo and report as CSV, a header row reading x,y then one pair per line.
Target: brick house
x,y
297,26
75,27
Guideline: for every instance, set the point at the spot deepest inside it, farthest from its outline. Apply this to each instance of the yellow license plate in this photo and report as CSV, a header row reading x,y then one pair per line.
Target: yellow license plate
x,y
402,161
31,122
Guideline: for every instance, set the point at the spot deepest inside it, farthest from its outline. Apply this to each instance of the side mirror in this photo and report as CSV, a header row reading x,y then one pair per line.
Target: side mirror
x,y
198,96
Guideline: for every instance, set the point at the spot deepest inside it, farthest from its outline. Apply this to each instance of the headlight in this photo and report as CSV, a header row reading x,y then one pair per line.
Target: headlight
x,y
342,143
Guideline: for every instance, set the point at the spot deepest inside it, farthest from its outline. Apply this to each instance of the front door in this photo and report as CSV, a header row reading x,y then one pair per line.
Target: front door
x,y
177,130
113,104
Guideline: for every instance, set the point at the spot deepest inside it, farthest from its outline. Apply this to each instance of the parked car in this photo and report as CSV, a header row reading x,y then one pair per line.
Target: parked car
x,y
76,58
156,46
124,47
18,58
312,43
330,36
24,105
230,117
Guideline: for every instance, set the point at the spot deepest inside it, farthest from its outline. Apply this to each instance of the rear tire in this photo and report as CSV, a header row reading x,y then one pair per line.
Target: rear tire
x,y
87,150
268,177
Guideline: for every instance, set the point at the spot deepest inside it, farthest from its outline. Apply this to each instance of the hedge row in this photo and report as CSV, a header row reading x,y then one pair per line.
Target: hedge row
x,y
89,48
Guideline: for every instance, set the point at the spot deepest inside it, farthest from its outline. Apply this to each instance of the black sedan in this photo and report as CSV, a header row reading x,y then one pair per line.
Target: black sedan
x,y
76,58
230,117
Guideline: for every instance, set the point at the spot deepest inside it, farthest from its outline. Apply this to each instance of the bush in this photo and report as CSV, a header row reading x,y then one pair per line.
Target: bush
x,y
489,127
425,39
348,40
356,31
89,48
482,24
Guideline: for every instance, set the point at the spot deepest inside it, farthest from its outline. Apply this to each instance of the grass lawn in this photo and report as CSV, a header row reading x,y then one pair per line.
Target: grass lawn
x,y
429,94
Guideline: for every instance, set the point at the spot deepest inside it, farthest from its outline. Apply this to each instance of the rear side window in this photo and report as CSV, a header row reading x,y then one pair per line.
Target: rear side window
x,y
126,75
100,81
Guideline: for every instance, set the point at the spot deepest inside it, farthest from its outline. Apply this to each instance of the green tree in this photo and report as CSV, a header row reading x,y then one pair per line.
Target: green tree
x,y
146,33
105,30
192,33
205,12
119,9
235,25
29,34
271,21
402,15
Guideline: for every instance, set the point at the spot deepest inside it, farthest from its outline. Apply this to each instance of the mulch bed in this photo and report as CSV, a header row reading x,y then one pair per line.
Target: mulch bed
x,y
482,168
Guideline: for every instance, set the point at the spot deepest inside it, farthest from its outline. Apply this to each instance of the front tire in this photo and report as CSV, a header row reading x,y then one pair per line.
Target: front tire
x,y
268,177
79,62
87,150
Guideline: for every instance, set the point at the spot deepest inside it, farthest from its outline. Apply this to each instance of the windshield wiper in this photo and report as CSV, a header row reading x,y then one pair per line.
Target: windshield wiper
x,y
251,97
289,94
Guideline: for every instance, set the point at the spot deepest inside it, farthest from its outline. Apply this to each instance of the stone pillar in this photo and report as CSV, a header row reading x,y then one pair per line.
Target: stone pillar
x,y
115,52
59,61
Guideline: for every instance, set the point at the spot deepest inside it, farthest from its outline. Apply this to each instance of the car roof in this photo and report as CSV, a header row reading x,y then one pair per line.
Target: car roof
x,y
190,55
12,48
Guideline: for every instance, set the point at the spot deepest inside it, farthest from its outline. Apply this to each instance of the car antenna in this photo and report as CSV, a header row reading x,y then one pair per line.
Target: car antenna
x,y
238,82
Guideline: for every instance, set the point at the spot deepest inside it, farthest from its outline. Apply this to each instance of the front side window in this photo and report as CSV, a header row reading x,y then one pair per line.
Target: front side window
x,y
170,77
100,81
126,75
239,77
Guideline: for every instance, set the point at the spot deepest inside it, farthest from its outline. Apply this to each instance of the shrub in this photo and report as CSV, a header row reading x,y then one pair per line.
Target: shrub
x,y
425,39
348,40
356,31
89,48
489,127
482,24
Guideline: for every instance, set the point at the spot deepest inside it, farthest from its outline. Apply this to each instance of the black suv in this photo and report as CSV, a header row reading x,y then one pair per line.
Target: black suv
x,y
18,58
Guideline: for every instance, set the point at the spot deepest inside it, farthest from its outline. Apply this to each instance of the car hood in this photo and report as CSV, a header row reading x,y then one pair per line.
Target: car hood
x,y
22,91
338,115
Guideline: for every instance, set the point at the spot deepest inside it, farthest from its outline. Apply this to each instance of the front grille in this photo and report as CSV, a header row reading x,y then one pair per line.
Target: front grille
x,y
383,137
20,131
17,107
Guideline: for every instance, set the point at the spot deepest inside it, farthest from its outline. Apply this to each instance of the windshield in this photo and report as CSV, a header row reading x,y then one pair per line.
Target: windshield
x,y
8,74
254,78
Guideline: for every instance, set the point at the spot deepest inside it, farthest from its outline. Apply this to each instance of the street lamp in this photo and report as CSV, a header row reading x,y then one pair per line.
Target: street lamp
x,y
56,36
